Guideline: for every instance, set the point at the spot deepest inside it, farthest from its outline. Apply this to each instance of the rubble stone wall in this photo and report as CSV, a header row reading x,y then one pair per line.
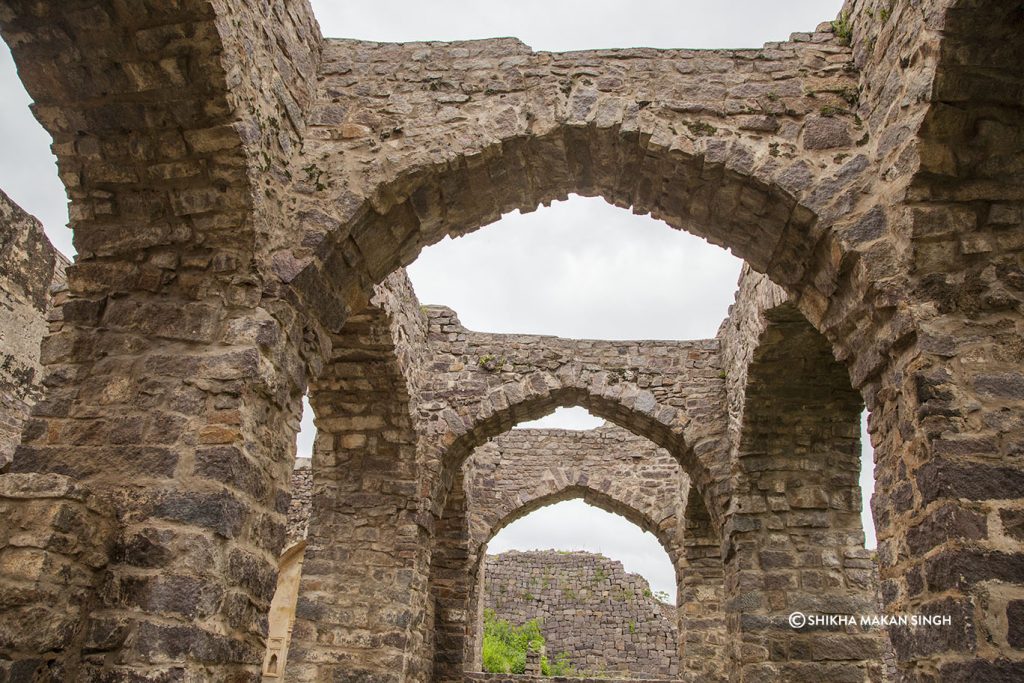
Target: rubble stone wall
x,y
302,496
239,186
607,622
30,268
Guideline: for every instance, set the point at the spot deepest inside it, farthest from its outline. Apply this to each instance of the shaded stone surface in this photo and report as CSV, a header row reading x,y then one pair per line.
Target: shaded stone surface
x,y
241,188
30,268
605,621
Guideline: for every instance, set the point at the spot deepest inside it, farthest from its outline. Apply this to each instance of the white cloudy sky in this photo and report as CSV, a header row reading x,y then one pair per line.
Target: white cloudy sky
x,y
580,268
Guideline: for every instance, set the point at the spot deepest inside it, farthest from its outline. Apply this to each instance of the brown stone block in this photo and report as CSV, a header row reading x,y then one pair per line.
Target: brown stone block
x,y
960,568
947,522
87,461
990,671
974,481
191,597
180,320
219,512
155,643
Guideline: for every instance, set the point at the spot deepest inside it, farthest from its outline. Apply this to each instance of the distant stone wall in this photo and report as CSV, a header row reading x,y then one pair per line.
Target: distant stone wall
x,y
29,267
607,621
299,507
513,678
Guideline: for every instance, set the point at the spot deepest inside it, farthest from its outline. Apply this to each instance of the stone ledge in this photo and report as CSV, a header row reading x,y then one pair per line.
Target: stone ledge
x,y
517,678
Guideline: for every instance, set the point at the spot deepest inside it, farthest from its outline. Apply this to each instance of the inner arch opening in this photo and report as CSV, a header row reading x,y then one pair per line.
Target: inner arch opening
x,y
580,268
574,525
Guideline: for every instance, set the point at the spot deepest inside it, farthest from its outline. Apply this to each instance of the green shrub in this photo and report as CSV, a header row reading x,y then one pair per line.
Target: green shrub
x,y
505,645
505,648
560,667
843,29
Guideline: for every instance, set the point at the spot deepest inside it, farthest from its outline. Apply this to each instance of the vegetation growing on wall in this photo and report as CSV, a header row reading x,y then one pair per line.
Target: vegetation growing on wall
x,y
505,648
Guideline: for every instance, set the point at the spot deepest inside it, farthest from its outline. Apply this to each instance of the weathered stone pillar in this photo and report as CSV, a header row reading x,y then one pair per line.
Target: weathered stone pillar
x,y
947,401
793,539
185,428
55,539
173,374
948,509
702,631
362,607
29,268
451,586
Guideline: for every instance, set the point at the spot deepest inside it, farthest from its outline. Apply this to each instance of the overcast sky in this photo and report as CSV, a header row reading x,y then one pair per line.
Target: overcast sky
x,y
580,268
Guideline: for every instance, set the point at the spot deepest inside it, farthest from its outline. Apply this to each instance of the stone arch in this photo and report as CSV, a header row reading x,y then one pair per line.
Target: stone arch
x,y
793,540
362,518
708,142
629,408
734,193
519,471
550,493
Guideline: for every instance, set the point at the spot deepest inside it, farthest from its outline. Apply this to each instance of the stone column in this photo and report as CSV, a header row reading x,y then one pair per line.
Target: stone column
x,y
450,588
179,415
948,508
173,375
793,538
362,607
702,636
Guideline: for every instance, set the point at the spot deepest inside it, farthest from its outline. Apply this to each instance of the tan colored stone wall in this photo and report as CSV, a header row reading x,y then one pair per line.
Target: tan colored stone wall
x,y
238,188
299,506
606,621
30,268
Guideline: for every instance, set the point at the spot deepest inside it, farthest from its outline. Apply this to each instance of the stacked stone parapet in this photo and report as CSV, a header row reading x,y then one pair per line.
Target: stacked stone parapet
x,y
604,621
29,268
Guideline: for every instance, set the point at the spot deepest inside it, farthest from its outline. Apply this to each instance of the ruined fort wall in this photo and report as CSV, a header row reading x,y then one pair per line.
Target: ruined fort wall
x,y
608,622
513,474
29,268
299,506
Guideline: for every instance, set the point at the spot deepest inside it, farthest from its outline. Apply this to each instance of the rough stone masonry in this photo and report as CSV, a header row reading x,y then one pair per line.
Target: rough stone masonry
x,y
243,193
30,268
605,622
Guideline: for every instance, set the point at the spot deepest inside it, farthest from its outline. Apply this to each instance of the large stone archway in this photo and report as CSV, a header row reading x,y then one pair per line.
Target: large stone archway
x,y
521,471
239,186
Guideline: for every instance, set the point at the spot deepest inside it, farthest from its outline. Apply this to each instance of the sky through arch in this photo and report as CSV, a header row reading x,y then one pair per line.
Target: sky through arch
x,y
576,525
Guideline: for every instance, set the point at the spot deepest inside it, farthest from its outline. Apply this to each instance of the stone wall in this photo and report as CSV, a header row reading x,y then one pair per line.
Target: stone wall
x,y
608,622
298,507
29,269
239,186
510,678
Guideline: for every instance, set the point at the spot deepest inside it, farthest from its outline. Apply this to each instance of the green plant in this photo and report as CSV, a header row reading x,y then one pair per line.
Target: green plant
x,y
843,29
662,596
505,647
632,627
599,575
491,363
700,128
560,667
